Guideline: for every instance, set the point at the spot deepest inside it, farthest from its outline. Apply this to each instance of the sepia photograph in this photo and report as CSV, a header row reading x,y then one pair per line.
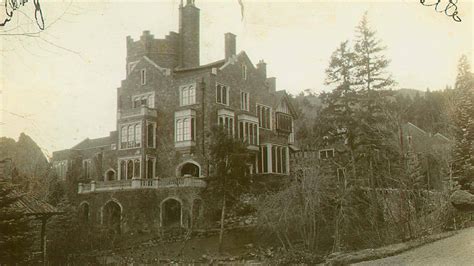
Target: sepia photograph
x,y
236,132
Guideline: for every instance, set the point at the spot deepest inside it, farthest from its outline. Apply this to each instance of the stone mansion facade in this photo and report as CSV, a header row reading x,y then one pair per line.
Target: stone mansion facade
x,y
167,107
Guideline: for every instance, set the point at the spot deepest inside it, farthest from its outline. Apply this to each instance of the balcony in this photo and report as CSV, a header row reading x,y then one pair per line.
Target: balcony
x,y
131,184
284,123
139,111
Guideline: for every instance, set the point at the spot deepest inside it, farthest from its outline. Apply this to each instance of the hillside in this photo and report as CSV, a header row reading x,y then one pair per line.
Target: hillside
x,y
26,155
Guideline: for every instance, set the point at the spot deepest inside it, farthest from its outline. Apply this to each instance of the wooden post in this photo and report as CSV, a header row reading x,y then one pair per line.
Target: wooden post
x,y
44,220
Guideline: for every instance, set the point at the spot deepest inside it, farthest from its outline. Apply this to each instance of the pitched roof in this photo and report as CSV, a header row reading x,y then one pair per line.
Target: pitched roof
x,y
92,143
30,205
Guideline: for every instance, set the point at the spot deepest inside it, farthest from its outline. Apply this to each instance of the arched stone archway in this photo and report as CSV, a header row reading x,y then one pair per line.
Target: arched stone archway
x,y
171,213
189,169
112,216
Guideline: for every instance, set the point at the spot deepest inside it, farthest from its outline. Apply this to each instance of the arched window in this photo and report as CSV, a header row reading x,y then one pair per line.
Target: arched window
x,y
129,169
136,168
112,216
189,169
171,213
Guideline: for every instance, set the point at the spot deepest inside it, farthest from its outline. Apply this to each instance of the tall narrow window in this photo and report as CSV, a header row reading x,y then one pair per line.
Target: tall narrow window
x,y
136,168
129,169
130,136
150,168
150,135
143,76
123,170
138,135
244,101
186,129
244,71
124,135
193,125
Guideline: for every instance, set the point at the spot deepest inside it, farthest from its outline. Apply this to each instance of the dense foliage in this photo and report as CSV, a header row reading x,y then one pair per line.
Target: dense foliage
x,y
15,229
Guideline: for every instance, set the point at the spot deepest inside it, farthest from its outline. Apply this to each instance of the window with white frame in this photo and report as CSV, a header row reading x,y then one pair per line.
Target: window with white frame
x,y
244,101
131,135
61,169
185,125
222,94
248,132
147,100
326,153
225,118
187,95
264,114
129,168
143,76
273,159
151,134
86,168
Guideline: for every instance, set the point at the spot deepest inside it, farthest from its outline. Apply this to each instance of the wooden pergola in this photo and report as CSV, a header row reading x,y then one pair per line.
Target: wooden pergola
x,y
39,210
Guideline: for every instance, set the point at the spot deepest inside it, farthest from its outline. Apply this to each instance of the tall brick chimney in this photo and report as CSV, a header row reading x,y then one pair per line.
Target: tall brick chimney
x,y
230,45
271,83
262,68
189,34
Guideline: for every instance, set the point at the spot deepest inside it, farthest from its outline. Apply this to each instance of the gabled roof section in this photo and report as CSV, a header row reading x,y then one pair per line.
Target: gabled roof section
x,y
164,71
92,143
283,96
441,136
234,59
417,128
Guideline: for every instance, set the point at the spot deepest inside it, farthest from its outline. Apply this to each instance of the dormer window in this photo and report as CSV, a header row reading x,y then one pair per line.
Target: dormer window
x,y
143,76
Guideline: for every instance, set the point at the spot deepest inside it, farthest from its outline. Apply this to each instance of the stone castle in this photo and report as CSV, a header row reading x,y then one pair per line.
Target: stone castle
x,y
157,159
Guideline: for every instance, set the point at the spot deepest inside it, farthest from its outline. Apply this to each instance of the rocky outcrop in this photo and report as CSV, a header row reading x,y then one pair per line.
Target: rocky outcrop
x,y
26,155
462,200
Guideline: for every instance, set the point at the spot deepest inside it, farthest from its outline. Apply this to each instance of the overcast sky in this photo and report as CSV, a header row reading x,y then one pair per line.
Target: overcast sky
x,y
59,86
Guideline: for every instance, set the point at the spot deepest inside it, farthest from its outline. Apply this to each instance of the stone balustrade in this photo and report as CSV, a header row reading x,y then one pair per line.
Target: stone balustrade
x,y
115,185
139,111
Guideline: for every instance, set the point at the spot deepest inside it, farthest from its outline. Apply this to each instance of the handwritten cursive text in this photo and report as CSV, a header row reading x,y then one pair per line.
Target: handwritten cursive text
x,y
450,8
12,5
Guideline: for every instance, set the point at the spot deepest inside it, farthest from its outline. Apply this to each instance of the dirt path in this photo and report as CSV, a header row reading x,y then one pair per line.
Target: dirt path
x,y
455,250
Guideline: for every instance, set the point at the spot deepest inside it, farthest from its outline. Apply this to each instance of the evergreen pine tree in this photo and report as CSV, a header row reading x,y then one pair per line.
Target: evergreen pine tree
x,y
373,84
464,121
